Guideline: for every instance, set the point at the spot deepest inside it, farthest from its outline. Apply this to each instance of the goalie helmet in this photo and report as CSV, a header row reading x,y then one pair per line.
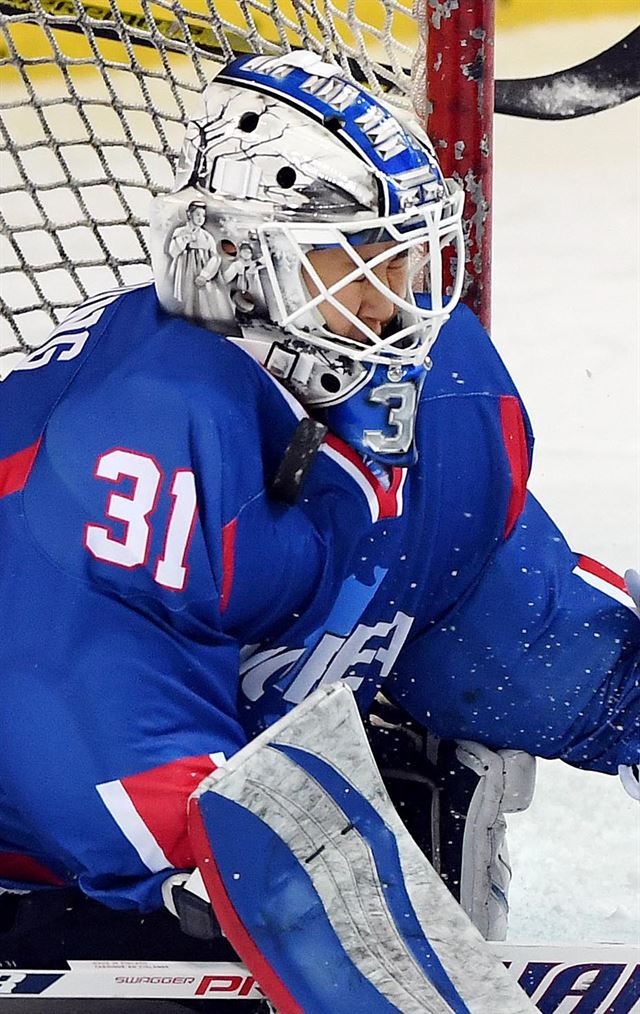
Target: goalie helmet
x,y
285,158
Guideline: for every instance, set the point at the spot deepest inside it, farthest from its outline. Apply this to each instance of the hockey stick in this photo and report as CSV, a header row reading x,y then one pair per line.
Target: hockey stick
x,y
75,16
606,977
603,81
606,80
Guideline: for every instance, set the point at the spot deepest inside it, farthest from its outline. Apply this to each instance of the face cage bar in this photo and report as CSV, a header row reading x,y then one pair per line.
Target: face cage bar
x,y
437,232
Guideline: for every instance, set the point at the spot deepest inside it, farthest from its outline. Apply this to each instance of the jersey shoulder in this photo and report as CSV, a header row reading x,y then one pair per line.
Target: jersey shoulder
x,y
147,381
37,381
468,370
474,439
465,360
134,418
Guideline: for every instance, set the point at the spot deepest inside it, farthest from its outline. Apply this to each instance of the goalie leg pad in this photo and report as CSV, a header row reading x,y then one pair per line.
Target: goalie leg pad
x,y
319,887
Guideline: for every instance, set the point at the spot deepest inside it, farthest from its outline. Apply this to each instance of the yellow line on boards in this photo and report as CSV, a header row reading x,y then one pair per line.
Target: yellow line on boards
x,y
30,42
513,13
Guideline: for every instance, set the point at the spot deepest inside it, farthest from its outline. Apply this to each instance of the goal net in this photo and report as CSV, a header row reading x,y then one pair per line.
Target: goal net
x,y
94,96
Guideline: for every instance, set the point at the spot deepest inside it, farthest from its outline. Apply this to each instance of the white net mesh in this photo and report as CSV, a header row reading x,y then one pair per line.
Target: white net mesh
x,y
93,102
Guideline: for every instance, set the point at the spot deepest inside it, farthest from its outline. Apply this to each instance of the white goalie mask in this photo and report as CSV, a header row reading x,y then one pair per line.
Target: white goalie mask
x,y
284,158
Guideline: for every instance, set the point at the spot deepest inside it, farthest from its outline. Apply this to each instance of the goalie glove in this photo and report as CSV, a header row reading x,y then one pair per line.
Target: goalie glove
x,y
630,778
185,896
452,798
632,581
630,773
506,781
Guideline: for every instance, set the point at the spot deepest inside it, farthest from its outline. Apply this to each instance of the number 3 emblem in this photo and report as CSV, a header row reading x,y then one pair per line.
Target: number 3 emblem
x,y
400,399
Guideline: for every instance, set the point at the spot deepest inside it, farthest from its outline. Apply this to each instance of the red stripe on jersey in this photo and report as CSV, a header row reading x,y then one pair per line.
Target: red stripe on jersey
x,y
604,573
515,445
388,501
15,866
160,798
14,470
390,504
348,452
230,922
228,561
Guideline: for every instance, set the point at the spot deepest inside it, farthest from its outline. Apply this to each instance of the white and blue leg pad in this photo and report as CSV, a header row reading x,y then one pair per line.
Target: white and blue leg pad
x,y
319,887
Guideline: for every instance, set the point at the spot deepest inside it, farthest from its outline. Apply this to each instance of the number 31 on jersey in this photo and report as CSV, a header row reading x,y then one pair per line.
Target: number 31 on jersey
x,y
135,513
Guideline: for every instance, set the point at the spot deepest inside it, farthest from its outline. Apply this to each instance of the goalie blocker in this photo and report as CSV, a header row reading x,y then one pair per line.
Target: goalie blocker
x,y
317,884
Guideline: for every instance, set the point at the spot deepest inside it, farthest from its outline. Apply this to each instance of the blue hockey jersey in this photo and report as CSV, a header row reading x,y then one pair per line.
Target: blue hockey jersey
x,y
160,606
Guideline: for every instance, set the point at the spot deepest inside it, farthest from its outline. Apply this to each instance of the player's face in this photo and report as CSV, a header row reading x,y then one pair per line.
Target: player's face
x,y
361,297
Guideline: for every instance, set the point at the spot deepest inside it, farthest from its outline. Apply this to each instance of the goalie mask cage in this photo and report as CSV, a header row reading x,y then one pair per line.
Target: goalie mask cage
x,y
95,95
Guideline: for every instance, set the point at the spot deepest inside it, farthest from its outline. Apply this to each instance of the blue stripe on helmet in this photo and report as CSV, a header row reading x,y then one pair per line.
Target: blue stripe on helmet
x,y
411,158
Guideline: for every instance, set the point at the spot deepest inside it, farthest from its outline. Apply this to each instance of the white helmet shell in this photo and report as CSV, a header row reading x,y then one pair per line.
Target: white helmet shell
x,y
286,157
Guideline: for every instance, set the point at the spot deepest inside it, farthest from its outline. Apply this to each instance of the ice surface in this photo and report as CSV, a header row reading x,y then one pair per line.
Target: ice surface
x,y
566,320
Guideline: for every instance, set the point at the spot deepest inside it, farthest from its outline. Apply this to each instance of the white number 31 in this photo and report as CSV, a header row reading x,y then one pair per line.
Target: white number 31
x,y
134,512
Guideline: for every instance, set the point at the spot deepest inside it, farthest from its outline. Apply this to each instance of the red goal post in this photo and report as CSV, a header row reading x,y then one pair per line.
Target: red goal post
x,y
460,87
94,95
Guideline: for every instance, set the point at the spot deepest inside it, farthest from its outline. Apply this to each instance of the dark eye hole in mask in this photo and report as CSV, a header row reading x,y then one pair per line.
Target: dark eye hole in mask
x,y
394,325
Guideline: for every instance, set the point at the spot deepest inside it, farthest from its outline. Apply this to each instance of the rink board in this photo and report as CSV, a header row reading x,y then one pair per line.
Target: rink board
x,y
595,979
